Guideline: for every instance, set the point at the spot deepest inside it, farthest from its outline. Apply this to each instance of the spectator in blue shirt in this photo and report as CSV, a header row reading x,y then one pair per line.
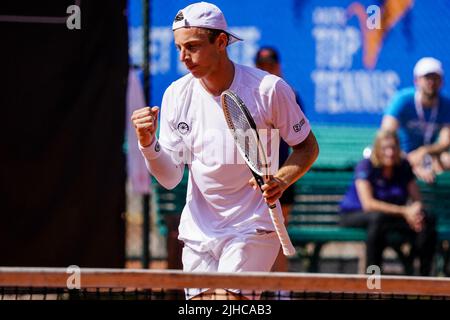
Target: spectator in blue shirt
x,y
383,198
422,117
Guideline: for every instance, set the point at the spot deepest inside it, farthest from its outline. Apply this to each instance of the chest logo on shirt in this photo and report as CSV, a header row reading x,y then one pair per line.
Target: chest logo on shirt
x,y
183,128
298,126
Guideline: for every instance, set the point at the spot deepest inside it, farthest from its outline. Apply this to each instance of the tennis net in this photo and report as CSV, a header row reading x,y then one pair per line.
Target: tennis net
x,y
138,284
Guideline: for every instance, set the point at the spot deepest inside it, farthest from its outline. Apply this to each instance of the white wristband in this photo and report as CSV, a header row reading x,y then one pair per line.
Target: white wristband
x,y
152,151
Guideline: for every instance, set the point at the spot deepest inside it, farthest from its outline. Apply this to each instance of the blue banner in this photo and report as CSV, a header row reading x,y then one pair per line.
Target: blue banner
x,y
345,58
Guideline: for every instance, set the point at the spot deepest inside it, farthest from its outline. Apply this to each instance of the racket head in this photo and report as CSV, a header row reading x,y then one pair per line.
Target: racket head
x,y
246,138
244,131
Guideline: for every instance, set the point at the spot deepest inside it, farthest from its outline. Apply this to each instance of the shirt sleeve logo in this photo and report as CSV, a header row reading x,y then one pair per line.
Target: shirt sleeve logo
x,y
183,128
298,126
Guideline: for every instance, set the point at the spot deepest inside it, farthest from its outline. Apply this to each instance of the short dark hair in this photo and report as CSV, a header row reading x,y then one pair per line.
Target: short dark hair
x,y
267,55
213,34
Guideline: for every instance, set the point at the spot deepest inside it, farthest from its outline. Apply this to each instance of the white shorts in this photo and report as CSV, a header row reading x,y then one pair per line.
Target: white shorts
x,y
249,252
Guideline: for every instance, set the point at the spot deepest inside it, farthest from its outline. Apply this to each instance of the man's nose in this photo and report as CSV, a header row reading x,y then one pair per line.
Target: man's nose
x,y
183,55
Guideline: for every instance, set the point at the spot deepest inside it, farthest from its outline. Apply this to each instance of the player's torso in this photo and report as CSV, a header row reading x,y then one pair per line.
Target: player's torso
x,y
215,162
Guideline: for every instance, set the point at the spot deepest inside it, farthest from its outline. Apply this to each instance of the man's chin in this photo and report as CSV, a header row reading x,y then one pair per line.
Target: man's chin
x,y
432,95
196,75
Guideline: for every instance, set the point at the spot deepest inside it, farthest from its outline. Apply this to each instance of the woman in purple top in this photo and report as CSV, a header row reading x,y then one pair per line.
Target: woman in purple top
x,y
384,197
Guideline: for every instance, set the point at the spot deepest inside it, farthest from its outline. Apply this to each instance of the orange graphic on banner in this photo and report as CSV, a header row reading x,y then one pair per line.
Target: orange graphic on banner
x,y
391,12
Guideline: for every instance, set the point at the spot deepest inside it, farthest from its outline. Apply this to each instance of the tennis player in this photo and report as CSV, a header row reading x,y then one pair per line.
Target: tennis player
x,y
225,225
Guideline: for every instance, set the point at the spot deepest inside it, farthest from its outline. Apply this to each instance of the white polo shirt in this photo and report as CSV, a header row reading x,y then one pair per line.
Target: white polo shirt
x,y
220,203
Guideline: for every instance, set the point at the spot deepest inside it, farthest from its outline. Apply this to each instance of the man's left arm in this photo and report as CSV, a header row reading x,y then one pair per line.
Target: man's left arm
x,y
442,144
416,157
296,165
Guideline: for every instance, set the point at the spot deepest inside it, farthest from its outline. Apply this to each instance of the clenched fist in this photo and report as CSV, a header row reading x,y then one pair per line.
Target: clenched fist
x,y
145,121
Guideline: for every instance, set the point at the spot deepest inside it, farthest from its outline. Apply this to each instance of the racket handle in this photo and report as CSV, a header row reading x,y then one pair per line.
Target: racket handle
x,y
280,228
283,236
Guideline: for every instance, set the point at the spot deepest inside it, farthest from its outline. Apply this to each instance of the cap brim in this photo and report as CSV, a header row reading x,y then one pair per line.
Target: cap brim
x,y
233,37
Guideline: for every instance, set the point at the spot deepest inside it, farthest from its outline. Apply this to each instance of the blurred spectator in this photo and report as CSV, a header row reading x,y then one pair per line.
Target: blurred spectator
x,y
268,59
378,201
422,117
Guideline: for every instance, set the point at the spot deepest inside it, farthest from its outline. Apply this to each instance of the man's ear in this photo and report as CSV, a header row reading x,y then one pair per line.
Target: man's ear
x,y
222,41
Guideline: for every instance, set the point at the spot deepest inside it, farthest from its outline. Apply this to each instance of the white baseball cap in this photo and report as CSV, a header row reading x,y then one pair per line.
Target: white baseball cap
x,y
203,15
428,65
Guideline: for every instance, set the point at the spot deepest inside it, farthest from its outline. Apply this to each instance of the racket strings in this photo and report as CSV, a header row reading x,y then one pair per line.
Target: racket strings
x,y
244,134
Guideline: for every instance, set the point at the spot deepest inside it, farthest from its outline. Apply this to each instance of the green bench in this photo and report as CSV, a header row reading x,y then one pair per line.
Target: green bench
x,y
341,146
314,219
437,201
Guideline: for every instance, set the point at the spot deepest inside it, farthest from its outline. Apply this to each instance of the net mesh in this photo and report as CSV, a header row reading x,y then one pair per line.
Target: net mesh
x,y
129,284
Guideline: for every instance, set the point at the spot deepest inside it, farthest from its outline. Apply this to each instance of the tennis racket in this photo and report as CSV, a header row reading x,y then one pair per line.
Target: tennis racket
x,y
245,134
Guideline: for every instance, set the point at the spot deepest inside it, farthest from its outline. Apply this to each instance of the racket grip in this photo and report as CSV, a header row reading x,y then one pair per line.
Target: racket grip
x,y
280,229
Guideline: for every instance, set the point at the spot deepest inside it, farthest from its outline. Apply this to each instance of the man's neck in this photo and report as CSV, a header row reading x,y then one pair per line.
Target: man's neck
x,y
219,80
428,101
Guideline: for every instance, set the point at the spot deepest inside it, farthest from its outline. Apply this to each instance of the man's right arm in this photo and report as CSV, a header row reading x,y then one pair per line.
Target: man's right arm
x,y
389,123
395,110
159,160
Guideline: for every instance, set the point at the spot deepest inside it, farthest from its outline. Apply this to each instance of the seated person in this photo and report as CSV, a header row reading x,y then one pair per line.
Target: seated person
x,y
421,115
378,201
